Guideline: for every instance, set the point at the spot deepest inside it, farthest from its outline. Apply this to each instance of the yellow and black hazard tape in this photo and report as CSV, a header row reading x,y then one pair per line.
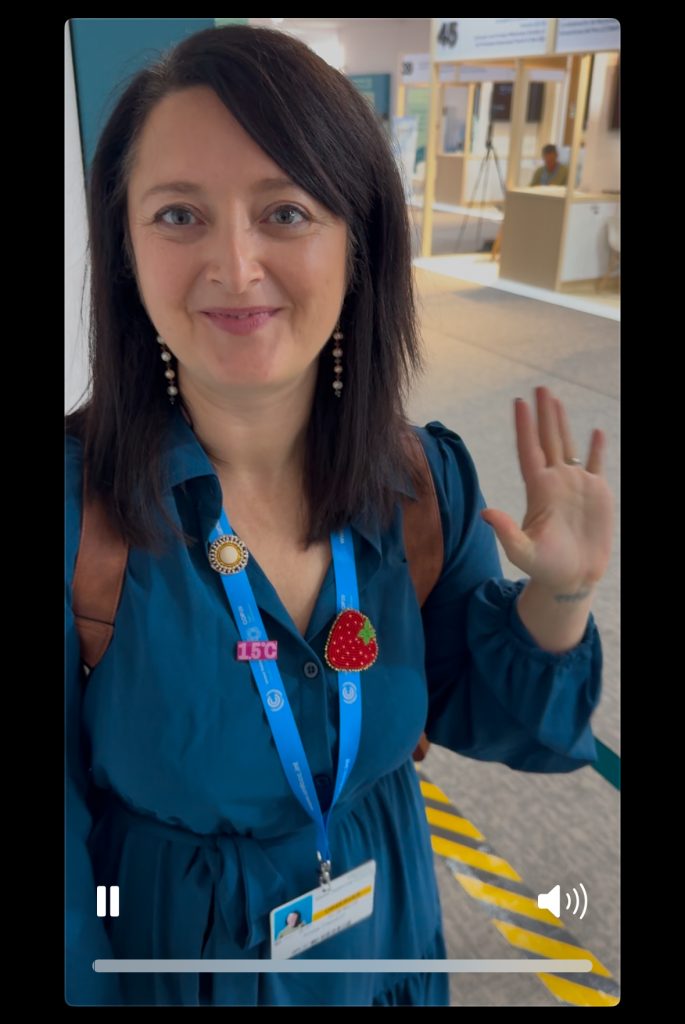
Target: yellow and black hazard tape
x,y
512,906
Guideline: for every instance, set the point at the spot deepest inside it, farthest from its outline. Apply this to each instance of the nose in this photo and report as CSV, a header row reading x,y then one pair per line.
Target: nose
x,y
235,257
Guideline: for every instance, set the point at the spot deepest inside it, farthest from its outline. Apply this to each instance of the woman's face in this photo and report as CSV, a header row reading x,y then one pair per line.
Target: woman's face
x,y
210,231
292,919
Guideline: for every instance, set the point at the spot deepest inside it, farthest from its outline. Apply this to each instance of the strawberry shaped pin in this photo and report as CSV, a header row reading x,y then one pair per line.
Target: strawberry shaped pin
x,y
351,643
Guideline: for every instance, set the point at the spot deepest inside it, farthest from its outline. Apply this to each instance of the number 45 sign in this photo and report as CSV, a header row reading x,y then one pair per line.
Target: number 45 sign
x,y
479,38
447,36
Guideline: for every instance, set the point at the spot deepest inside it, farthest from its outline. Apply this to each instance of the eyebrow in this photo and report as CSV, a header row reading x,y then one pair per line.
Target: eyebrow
x,y
190,188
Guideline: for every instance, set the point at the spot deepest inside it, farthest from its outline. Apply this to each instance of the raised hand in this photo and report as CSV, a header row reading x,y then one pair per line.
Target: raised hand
x,y
564,541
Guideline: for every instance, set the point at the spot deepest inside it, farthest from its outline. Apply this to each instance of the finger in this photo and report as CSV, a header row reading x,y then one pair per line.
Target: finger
x,y
595,459
516,544
531,455
548,426
567,445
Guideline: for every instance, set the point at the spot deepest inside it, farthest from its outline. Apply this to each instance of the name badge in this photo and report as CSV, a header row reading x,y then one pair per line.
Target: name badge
x,y
320,913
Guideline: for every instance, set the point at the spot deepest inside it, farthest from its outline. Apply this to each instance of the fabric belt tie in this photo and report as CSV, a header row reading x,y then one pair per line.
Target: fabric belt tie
x,y
233,860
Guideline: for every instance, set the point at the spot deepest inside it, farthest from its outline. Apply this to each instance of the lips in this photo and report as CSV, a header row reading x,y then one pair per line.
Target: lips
x,y
239,312
240,322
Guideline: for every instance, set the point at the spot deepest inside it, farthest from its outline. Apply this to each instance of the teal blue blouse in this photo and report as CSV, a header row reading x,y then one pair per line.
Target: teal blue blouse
x,y
175,792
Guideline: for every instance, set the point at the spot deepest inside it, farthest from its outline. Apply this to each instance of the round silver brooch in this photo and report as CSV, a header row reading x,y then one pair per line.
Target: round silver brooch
x,y
228,554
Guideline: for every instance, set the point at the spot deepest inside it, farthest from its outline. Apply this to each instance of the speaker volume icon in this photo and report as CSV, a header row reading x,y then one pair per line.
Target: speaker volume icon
x,y
552,900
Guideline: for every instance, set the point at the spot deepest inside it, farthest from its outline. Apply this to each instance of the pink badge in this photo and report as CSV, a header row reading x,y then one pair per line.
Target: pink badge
x,y
257,650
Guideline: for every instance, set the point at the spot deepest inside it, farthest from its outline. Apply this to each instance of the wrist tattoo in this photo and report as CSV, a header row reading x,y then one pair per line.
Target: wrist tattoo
x,y
579,596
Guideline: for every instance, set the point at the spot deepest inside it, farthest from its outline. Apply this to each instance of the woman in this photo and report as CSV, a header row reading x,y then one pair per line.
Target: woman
x,y
248,225
292,922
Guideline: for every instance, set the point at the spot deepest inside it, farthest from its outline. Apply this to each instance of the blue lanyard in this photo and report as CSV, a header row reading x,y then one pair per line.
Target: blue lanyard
x,y
275,700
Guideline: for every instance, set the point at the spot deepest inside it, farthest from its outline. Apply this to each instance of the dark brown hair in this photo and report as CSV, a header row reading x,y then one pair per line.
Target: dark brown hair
x,y
315,125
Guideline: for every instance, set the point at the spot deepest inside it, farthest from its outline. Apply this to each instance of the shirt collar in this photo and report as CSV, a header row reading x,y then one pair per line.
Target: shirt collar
x,y
184,456
185,459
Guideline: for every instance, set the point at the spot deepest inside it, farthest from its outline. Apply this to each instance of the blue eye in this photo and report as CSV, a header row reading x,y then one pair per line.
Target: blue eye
x,y
174,210
178,212
290,209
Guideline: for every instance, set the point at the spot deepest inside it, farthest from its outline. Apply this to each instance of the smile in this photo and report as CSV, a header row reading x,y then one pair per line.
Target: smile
x,y
240,324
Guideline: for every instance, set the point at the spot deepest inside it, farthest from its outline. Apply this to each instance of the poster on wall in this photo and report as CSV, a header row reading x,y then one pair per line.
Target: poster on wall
x,y
376,89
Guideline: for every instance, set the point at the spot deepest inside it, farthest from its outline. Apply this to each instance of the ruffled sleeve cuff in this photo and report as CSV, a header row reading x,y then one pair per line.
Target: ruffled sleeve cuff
x,y
551,696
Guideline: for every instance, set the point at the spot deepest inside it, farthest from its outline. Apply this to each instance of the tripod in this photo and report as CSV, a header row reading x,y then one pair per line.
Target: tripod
x,y
483,172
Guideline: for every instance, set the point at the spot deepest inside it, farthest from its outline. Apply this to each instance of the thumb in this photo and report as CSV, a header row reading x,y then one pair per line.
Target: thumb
x,y
517,546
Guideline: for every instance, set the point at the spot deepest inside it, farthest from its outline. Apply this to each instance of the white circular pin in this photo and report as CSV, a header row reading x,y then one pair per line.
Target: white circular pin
x,y
228,554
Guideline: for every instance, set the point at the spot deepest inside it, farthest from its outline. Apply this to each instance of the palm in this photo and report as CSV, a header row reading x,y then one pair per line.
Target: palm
x,y
564,541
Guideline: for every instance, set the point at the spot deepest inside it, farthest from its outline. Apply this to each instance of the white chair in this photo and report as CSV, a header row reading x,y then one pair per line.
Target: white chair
x,y
614,240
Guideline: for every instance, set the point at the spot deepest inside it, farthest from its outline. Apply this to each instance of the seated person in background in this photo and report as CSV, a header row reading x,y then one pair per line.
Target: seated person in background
x,y
553,173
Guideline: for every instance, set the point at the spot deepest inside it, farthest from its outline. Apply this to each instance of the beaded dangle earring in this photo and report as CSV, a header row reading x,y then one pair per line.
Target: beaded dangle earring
x,y
169,373
338,368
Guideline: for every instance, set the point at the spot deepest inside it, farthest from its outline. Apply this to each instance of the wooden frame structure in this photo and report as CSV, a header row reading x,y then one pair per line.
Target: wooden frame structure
x,y
576,67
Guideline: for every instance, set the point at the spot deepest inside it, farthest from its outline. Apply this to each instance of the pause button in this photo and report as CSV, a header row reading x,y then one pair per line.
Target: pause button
x,y
113,900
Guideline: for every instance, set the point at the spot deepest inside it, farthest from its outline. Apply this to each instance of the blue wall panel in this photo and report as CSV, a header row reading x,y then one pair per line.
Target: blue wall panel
x,y
109,50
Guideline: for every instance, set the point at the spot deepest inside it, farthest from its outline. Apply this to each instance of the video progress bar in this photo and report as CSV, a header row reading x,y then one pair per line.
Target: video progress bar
x,y
524,966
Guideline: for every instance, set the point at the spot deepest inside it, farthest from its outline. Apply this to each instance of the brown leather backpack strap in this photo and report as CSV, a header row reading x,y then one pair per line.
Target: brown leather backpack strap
x,y
423,539
424,544
98,579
